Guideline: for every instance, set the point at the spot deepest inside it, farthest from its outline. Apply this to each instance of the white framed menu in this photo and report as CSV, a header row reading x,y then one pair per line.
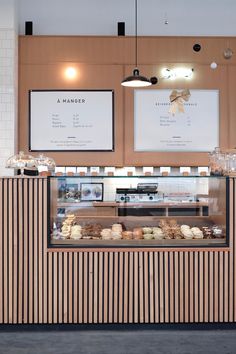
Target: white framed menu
x,y
71,120
189,123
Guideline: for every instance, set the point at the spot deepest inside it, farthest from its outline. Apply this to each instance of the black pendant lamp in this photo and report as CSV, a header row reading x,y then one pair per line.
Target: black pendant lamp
x,y
136,80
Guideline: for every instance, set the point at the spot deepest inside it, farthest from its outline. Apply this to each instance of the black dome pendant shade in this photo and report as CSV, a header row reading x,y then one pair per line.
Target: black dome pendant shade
x,y
136,80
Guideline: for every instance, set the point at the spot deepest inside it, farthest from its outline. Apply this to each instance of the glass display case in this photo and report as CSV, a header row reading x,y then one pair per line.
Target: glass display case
x,y
138,211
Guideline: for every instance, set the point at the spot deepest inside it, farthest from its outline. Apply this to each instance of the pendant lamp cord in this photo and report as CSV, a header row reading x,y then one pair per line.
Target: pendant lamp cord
x,y
136,34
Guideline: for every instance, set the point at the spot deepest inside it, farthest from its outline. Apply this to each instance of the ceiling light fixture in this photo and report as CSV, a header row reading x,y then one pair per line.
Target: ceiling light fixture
x,y
136,80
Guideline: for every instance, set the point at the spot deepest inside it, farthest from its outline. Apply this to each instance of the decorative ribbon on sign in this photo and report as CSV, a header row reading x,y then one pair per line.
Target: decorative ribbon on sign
x,y
177,99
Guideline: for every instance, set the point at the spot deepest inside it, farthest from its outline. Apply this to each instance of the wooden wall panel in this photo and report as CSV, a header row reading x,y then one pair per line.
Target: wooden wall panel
x,y
232,104
120,50
103,62
149,286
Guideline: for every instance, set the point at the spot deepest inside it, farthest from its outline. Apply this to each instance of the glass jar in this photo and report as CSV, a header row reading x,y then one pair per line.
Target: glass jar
x,y
45,163
232,163
217,162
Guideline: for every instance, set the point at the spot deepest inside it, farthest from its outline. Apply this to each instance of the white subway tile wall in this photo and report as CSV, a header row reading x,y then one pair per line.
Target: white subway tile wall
x,y
8,96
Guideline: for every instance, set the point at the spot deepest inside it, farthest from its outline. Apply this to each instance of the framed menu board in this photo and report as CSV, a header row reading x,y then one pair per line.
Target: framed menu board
x,y
176,120
71,120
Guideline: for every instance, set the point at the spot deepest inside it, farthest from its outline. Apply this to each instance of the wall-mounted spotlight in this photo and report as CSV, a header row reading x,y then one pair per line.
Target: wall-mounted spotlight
x,y
197,47
177,73
154,80
228,53
70,73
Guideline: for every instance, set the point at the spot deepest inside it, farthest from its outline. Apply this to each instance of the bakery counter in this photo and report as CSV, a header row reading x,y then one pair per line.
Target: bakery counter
x,y
150,283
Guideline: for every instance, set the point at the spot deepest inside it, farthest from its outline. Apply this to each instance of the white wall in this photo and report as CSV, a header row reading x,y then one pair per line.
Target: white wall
x,y
7,13
8,82
100,17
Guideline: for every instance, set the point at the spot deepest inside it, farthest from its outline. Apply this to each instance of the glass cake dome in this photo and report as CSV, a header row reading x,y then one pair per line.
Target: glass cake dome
x,y
20,161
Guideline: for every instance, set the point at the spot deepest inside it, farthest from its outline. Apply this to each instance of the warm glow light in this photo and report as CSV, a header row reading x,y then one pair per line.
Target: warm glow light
x,y
136,83
177,73
70,73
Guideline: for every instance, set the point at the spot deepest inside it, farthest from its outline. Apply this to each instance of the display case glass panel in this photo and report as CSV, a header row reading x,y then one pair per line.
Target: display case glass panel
x,y
138,211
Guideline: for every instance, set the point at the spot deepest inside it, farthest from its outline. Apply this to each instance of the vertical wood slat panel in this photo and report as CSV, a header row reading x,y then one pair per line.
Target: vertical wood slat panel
x,y
144,279
105,285
100,316
161,288
35,250
186,290
131,287
15,251
234,256
181,287
116,287
206,287
166,287
141,288
216,287
96,290
30,250
70,288
176,285
49,287
25,250
40,250
156,287
121,297
111,287
196,289
44,250
55,287
75,288
232,235
91,289
9,250
80,300
211,288
221,287
65,285
60,288
126,287
136,288
201,286
171,292
5,254
146,282
85,287
191,287
1,248
151,287
226,288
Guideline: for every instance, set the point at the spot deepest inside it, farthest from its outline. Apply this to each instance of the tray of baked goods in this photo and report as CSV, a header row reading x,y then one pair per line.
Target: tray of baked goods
x,y
76,231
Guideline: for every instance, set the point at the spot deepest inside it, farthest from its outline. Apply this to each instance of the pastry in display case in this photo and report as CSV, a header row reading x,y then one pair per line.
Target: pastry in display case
x,y
138,211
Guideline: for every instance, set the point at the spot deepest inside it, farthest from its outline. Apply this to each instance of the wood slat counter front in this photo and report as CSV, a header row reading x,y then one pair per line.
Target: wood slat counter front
x,y
158,285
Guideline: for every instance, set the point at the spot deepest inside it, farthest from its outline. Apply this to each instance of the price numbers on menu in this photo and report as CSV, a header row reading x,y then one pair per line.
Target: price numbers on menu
x,y
76,120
